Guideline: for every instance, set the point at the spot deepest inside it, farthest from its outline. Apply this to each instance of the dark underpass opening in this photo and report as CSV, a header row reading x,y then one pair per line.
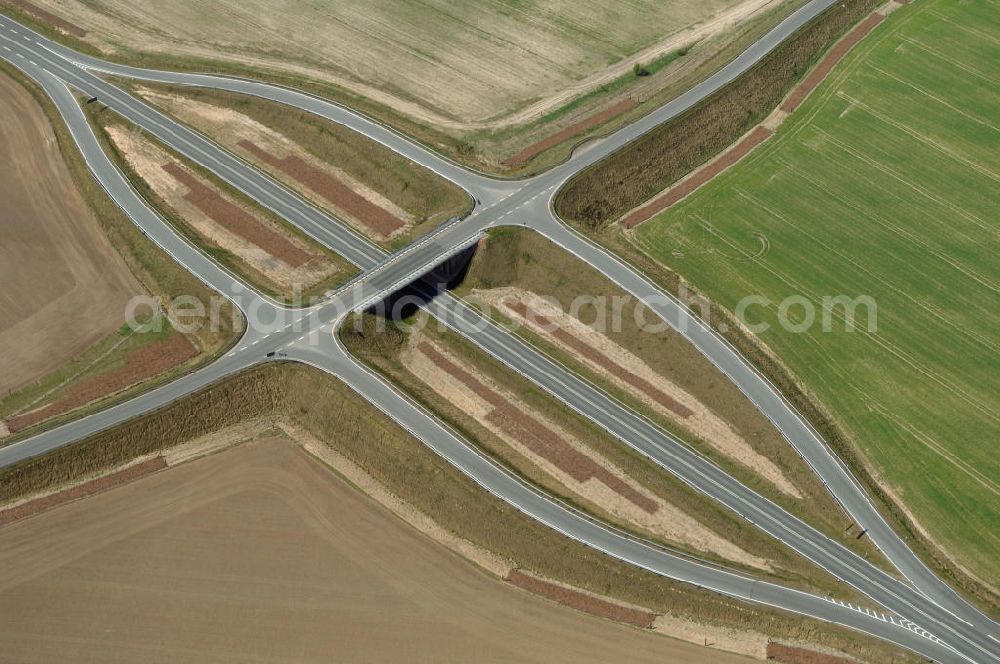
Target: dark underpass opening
x,y
446,276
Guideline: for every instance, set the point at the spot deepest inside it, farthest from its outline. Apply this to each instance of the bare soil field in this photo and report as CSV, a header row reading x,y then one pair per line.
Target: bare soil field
x,y
65,286
260,553
791,655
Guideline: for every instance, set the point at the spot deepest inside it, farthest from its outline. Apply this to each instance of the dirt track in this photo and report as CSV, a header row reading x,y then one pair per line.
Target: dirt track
x,y
65,287
260,554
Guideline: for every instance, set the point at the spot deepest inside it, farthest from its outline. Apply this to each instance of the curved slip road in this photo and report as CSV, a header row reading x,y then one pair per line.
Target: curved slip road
x,y
521,205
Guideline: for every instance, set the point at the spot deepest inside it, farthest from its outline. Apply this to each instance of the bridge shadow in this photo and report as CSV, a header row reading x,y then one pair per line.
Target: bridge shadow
x,y
406,301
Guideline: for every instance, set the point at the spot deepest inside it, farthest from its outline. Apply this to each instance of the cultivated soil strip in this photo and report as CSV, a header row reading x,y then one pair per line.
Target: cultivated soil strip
x,y
236,220
539,438
758,134
582,601
631,373
834,56
140,364
699,178
560,455
791,655
49,17
83,490
528,153
373,217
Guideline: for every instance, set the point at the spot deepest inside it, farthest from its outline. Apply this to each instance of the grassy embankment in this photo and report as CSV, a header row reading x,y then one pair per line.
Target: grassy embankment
x,y
323,407
524,260
426,197
882,185
637,172
153,269
103,119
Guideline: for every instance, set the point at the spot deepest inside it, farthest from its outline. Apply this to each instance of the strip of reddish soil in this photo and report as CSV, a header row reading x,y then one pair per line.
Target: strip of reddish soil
x,y
790,655
331,189
49,17
832,58
703,176
237,220
581,601
140,364
529,153
760,133
601,359
535,436
82,490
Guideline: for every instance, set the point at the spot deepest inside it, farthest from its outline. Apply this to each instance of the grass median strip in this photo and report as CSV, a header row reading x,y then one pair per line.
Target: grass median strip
x,y
619,345
247,239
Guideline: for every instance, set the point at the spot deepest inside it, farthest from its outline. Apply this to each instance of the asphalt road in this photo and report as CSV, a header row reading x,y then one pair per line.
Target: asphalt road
x,y
524,203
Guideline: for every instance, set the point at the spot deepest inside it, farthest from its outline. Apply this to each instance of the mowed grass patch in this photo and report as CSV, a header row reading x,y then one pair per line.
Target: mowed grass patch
x,y
884,184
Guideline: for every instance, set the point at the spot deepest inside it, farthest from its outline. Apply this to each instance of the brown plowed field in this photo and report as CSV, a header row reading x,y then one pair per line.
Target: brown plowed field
x,y
64,285
259,553
331,189
790,655
142,363
236,220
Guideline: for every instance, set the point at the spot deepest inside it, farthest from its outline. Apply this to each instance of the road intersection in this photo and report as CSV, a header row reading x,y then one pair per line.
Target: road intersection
x,y
944,626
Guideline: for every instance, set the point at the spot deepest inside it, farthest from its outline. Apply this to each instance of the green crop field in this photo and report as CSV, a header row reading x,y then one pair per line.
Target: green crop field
x,y
885,184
